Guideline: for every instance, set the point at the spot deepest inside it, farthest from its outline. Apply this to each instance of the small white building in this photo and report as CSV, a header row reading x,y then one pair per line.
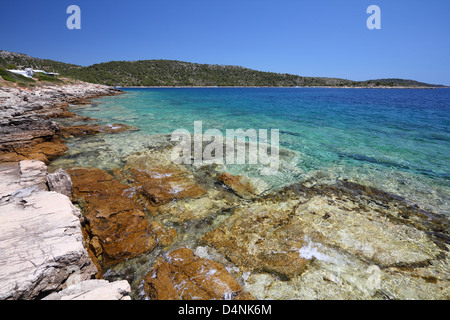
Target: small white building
x,y
28,72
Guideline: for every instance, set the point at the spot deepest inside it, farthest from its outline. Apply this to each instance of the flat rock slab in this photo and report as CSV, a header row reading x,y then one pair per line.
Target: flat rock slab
x,y
41,243
10,179
94,290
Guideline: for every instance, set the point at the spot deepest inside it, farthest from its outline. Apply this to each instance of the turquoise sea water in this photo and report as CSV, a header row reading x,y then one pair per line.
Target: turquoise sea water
x,y
397,140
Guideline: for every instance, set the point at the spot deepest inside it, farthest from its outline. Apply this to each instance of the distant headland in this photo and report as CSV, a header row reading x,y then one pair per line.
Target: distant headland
x,y
171,73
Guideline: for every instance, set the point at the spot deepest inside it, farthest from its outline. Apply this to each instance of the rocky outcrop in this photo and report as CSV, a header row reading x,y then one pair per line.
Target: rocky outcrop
x,y
42,248
29,137
59,181
94,290
26,129
41,242
182,275
117,226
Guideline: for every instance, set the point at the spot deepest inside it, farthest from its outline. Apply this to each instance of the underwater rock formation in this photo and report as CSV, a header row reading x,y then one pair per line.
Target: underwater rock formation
x,y
303,242
182,275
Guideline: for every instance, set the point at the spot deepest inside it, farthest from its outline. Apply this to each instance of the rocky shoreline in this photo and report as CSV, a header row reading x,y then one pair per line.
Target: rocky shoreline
x,y
27,129
42,249
157,230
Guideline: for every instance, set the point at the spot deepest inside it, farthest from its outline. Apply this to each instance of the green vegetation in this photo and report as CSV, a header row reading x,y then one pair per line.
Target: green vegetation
x,y
13,77
11,66
398,83
43,77
24,61
178,73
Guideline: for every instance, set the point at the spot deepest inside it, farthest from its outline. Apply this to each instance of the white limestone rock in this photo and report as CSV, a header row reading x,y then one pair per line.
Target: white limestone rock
x,y
41,243
60,182
94,290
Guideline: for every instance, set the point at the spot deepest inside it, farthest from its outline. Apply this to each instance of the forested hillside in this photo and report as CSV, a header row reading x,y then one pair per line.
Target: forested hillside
x,y
178,73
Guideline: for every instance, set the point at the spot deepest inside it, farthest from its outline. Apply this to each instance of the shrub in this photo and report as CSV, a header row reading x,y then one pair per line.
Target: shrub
x,y
11,66
43,77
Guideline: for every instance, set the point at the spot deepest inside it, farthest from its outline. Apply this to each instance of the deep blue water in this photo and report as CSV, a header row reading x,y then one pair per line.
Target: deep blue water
x,y
395,139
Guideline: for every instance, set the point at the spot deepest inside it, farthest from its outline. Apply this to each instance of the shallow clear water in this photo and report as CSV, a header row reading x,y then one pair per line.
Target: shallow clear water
x,y
397,140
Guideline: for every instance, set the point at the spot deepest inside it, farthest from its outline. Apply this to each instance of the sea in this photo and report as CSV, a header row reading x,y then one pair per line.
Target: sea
x,y
396,140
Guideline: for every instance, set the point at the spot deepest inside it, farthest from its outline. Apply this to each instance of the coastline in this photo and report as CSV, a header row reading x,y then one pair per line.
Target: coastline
x,y
49,230
300,240
228,87
29,132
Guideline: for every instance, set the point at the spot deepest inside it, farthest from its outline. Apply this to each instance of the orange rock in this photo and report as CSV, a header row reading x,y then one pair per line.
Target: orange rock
x,y
94,129
161,185
164,236
42,151
183,275
96,246
242,188
113,216
13,157
158,284
50,149
92,255
261,238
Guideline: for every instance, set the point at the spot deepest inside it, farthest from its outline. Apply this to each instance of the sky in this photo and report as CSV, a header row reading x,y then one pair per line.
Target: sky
x,y
326,38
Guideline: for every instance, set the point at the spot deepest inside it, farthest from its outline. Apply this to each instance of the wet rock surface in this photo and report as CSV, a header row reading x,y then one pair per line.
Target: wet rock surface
x,y
27,130
160,181
242,187
114,220
199,232
182,275
326,241
330,242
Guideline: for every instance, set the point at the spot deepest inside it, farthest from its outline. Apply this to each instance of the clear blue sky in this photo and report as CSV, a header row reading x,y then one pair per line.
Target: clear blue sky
x,y
309,38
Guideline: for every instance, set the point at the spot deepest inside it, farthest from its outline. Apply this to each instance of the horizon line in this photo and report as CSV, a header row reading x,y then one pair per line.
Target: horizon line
x,y
223,65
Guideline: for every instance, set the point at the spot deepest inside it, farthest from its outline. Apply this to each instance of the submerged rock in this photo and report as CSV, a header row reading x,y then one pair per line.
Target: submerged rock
x,y
301,242
241,186
161,186
258,238
81,130
184,276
